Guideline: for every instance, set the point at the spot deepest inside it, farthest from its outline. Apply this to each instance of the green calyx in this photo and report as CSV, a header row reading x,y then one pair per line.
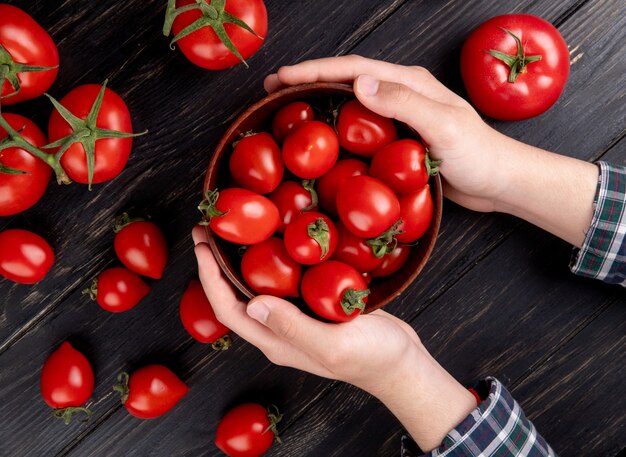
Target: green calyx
x,y
66,414
124,220
11,171
274,416
517,63
207,207
309,186
92,290
9,69
213,15
85,132
432,166
318,230
222,344
386,242
353,299
122,386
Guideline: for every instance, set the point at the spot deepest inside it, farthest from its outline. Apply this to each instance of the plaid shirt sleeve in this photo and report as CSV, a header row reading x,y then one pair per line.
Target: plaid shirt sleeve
x,y
497,427
603,254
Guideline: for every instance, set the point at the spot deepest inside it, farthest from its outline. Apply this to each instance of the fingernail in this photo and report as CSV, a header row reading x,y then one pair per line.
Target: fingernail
x,y
259,311
367,85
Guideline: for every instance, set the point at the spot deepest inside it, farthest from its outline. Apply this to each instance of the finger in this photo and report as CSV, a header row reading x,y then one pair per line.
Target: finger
x,y
272,83
199,235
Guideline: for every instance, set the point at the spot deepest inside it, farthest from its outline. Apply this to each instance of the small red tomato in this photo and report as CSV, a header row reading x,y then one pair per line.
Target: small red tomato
x,y
26,184
328,184
311,150
140,246
25,47
198,318
257,163
362,131
66,382
311,238
289,117
367,206
393,261
334,291
240,215
403,165
25,257
416,212
355,251
118,289
268,269
248,430
292,198
150,391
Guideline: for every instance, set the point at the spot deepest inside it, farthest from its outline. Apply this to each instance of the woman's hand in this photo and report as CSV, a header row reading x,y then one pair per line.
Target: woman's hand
x,y
377,352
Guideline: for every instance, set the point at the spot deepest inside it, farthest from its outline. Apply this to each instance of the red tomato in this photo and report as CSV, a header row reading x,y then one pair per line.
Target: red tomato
x,y
240,216
403,165
416,211
247,430
150,391
18,192
334,291
311,150
256,163
355,251
66,382
268,269
514,66
311,238
198,318
118,289
367,206
140,246
205,48
289,117
25,257
110,154
24,46
393,261
328,184
362,131
292,198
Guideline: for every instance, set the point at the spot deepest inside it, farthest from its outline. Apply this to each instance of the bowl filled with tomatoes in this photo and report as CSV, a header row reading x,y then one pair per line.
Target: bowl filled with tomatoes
x,y
311,197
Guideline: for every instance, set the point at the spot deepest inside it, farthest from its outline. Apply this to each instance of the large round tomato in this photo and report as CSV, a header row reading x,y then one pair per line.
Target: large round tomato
x,y
355,251
20,191
362,131
328,184
514,66
240,215
416,212
311,238
256,163
140,246
25,45
268,269
334,291
111,154
66,381
205,48
403,165
118,289
292,198
311,150
150,391
393,261
290,117
25,257
247,430
367,206
198,318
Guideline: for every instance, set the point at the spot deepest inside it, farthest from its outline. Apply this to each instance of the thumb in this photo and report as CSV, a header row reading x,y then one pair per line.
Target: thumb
x,y
397,101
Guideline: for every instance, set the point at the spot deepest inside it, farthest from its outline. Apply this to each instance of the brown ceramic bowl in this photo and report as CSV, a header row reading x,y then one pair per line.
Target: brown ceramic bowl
x,y
258,118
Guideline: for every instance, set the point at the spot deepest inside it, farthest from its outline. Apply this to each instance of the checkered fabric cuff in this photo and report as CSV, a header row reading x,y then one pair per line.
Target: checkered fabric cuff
x,y
603,254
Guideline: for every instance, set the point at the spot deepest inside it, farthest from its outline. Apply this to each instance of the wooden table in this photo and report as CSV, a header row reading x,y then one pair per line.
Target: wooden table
x,y
496,298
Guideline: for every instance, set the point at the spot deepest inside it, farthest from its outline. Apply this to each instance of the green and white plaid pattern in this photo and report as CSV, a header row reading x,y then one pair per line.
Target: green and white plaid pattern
x,y
603,254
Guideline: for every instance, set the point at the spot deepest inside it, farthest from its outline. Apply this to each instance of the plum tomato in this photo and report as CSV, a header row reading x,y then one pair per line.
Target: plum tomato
x,y
292,198
257,163
117,289
311,149
392,261
416,212
25,257
355,251
140,246
311,238
362,131
328,183
198,318
290,117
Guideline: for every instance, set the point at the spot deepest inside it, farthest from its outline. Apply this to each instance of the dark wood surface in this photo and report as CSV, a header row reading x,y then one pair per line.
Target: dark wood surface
x,y
496,298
